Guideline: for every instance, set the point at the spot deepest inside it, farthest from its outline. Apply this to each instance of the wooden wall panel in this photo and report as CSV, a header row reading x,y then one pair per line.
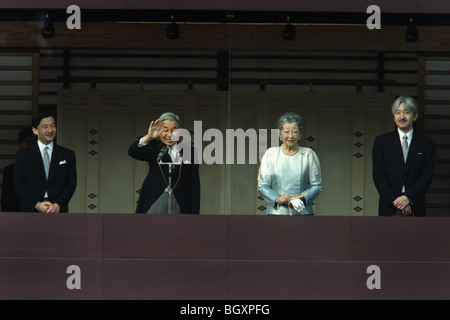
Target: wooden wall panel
x,y
434,120
101,128
19,97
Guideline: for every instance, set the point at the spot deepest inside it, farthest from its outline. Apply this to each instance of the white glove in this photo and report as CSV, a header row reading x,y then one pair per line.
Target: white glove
x,y
298,205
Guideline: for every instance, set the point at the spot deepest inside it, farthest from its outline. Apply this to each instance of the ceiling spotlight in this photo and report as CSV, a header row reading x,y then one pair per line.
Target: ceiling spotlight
x,y
173,30
48,31
289,31
411,34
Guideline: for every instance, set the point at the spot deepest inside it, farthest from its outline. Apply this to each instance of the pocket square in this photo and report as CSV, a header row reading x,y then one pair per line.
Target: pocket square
x,y
62,162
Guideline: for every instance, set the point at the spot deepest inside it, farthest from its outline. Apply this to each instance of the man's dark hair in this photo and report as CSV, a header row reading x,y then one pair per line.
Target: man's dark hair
x,y
38,118
26,132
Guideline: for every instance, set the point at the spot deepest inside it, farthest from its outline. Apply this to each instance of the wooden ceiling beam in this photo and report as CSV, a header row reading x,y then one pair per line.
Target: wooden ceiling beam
x,y
225,37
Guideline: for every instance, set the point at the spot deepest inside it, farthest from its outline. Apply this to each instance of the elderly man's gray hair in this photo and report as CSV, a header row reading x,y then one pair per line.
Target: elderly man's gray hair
x,y
290,117
171,117
409,103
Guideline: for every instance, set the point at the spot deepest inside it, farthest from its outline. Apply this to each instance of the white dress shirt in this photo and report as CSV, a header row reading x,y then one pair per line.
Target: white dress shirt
x,y
50,150
174,152
409,135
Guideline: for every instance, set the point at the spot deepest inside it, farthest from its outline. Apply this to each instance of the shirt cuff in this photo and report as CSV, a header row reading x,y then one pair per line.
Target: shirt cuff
x,y
140,144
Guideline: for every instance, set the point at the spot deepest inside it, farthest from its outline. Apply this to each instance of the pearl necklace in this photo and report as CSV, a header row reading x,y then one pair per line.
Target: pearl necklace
x,y
290,153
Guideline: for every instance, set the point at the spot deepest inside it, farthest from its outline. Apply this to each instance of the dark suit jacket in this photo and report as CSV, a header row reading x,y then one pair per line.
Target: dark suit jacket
x,y
10,201
390,172
29,177
187,191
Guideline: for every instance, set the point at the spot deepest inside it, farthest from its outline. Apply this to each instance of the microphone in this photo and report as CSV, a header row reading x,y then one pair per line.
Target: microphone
x,y
161,153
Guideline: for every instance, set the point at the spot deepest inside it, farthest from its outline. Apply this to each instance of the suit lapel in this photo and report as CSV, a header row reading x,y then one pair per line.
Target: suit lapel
x,y
36,157
397,147
56,157
414,149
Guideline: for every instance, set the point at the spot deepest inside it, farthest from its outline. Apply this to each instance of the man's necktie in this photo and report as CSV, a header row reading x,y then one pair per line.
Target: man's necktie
x,y
405,147
46,161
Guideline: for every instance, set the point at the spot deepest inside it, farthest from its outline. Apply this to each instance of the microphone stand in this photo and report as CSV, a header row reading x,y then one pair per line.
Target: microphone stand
x,y
169,186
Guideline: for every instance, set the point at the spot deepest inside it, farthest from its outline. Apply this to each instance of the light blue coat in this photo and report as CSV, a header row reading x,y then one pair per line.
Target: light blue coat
x,y
283,174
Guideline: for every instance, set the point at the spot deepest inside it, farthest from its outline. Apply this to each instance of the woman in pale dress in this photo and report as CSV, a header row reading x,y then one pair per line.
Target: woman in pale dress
x,y
289,177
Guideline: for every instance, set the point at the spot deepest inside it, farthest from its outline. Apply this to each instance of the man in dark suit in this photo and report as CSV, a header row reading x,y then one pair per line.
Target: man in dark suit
x,y
403,164
10,201
167,191
40,187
